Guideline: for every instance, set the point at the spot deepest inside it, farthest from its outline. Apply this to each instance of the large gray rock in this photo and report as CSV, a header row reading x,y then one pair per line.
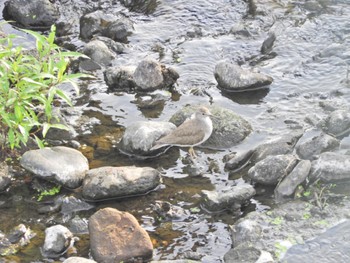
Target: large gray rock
x,y
331,246
58,239
229,128
108,25
337,123
310,149
272,169
331,167
31,13
98,52
232,78
228,199
113,182
139,137
116,236
286,188
62,165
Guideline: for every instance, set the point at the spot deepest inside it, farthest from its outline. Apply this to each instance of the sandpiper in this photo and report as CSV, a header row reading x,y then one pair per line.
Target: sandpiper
x,y
192,132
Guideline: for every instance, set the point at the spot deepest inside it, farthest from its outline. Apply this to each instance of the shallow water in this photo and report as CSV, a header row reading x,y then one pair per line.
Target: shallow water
x,y
310,66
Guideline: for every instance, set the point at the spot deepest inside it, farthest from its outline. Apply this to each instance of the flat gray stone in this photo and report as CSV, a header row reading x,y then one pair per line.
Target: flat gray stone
x,y
115,182
62,165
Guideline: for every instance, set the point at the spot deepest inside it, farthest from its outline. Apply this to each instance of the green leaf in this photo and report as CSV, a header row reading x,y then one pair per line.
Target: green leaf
x,y
39,142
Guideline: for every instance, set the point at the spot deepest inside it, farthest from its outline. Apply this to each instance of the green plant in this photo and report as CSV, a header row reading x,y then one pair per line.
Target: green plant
x,y
277,221
54,190
29,85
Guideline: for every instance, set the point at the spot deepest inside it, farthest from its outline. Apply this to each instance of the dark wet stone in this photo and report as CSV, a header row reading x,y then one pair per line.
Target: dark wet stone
x,y
78,260
140,136
110,229
286,188
98,52
58,239
236,161
5,179
331,167
141,6
114,46
311,148
337,123
268,43
71,204
229,128
114,182
176,261
39,14
168,211
78,226
119,30
330,246
228,199
231,77
120,78
272,169
98,22
63,165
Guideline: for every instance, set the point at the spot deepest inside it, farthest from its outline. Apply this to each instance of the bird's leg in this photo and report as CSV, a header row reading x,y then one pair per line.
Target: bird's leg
x,y
192,153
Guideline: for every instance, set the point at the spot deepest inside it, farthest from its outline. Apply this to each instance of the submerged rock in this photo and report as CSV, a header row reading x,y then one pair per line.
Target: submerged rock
x,y
62,165
98,52
58,239
39,14
272,169
113,182
228,199
116,236
286,188
229,128
337,123
311,148
140,136
120,78
331,167
231,77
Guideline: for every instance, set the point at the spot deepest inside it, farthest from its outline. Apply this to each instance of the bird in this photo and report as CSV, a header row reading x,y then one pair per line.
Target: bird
x,y
192,132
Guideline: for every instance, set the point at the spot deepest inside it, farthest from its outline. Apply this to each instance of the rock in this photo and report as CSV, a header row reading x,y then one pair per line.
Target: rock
x,y
233,78
78,260
286,188
246,231
280,146
5,179
176,261
331,167
108,25
337,123
98,52
139,137
273,168
112,182
268,43
332,245
79,226
71,205
120,78
228,128
119,30
58,239
169,212
18,237
230,199
151,75
60,164
146,7
311,148
39,14
247,255
238,160
116,236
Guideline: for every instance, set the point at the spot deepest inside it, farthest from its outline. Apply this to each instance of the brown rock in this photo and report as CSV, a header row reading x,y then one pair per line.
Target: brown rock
x,y
116,236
